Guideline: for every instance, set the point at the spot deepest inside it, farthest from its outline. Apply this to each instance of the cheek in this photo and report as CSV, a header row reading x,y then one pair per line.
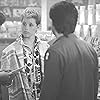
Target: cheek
x,y
33,29
23,29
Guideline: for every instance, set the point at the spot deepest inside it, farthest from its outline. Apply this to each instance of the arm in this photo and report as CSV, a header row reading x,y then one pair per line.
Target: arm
x,y
52,76
5,77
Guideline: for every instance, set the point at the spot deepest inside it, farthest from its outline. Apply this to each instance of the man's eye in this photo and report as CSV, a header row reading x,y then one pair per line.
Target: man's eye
x,y
24,23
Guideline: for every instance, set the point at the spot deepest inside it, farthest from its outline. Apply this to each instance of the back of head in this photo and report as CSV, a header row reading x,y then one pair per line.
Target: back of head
x,y
64,17
2,18
32,12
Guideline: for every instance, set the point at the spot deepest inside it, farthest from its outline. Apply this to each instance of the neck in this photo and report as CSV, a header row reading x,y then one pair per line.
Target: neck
x,y
58,35
29,41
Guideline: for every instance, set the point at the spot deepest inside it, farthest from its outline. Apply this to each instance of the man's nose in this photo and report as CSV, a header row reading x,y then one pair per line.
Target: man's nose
x,y
27,27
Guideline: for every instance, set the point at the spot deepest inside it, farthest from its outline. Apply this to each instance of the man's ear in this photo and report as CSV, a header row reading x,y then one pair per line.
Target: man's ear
x,y
54,30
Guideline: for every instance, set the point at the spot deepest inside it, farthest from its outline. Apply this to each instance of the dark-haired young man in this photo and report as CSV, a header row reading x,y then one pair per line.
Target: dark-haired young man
x,y
70,63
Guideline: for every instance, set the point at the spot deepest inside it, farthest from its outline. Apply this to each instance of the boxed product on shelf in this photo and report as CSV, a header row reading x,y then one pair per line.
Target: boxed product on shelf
x,y
12,29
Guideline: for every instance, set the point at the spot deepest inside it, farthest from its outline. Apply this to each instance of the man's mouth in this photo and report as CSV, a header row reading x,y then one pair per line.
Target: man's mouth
x,y
25,32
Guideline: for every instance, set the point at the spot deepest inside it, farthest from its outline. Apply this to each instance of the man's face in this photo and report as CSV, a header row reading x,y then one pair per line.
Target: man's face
x,y
29,27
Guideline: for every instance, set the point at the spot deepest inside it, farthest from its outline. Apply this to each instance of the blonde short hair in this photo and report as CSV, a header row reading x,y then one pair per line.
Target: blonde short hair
x,y
32,12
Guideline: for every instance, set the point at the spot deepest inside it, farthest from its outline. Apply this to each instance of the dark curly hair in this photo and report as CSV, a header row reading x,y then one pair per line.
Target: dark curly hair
x,y
2,18
64,17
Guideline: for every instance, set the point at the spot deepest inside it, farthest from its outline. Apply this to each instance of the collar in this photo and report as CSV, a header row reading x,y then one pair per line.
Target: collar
x,y
20,40
54,40
72,35
58,38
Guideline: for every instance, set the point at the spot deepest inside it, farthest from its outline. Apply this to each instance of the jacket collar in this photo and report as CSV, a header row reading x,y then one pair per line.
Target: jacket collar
x,y
72,35
19,49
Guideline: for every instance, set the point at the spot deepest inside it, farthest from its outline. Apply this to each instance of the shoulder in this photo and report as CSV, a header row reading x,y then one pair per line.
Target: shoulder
x,y
9,48
13,46
52,53
54,58
51,56
8,51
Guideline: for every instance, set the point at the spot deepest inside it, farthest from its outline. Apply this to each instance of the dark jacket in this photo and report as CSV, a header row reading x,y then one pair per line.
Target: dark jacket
x,y
70,70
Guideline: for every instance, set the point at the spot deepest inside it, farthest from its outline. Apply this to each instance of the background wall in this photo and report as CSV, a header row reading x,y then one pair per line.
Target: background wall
x,y
76,2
